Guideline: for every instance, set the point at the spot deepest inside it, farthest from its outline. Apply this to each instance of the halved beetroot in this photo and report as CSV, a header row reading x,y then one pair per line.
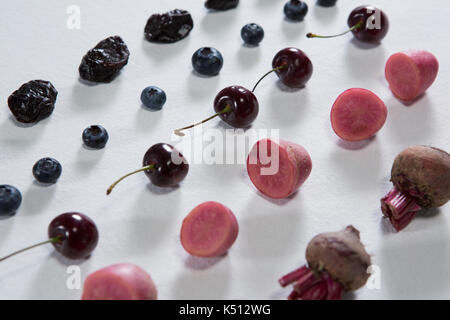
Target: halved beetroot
x,y
411,73
357,114
122,281
209,230
278,169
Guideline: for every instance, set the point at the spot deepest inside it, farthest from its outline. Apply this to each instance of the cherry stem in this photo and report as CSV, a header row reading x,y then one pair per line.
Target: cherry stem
x,y
224,110
356,26
111,187
260,79
52,240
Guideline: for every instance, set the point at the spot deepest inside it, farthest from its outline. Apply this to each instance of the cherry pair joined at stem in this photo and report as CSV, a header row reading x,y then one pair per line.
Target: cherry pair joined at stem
x,y
239,107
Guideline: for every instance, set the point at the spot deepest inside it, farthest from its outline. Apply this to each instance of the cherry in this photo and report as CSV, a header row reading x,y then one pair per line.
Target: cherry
x,y
164,165
242,103
235,105
293,67
73,234
367,23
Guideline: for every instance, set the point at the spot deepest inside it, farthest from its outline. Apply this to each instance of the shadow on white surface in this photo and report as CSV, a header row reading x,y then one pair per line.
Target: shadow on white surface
x,y
88,97
361,63
364,45
354,145
248,56
38,197
87,159
21,135
414,267
292,30
212,283
147,119
216,22
198,263
287,110
398,125
357,171
281,86
326,15
196,86
161,191
266,235
163,52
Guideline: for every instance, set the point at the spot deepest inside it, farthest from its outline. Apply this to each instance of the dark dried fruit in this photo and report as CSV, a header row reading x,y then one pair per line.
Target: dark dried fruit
x,y
105,60
221,4
169,27
33,101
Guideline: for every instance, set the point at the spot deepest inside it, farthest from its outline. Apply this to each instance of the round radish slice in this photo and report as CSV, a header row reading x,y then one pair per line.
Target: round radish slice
x,y
410,74
122,281
357,114
209,230
278,169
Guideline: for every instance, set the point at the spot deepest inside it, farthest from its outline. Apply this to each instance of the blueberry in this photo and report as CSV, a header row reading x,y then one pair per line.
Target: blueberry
x,y
10,200
295,10
252,34
153,98
47,170
95,137
207,61
326,3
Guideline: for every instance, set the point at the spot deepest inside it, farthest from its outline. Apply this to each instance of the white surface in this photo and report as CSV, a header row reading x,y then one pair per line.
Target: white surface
x,y
139,223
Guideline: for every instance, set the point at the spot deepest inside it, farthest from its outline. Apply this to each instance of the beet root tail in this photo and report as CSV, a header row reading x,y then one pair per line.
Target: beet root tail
x,y
311,286
399,208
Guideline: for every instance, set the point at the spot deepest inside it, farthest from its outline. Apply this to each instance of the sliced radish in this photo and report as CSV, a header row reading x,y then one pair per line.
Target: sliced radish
x,y
122,281
209,230
411,73
357,114
278,169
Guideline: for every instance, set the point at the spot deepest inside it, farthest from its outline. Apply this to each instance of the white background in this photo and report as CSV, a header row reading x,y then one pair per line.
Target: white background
x,y
139,223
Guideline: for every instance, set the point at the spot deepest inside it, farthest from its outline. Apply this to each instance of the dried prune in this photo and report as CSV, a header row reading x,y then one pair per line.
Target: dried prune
x,y
221,4
33,101
105,60
168,27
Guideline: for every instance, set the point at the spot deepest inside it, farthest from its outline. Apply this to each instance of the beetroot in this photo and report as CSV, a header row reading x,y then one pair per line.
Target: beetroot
x,y
357,114
122,281
209,230
278,169
421,178
411,73
337,262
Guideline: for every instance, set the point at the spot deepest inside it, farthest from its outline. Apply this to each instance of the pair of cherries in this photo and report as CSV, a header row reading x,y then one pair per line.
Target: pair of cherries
x,y
239,107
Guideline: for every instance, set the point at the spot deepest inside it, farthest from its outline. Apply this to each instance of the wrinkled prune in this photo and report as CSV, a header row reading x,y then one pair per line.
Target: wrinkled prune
x,y
221,4
105,60
33,101
168,27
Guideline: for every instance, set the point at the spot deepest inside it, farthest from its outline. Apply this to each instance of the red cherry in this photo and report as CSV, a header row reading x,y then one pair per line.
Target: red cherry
x,y
163,164
293,67
73,234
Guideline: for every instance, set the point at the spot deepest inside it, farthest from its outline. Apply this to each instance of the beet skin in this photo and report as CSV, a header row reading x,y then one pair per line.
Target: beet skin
x,y
342,255
423,173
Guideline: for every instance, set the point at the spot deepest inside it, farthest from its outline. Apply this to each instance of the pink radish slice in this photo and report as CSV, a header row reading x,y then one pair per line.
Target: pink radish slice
x,y
122,281
209,230
294,167
357,114
410,74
